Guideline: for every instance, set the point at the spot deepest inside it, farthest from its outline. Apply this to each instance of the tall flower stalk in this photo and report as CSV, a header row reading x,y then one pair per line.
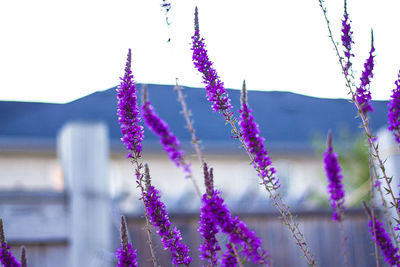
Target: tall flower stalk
x,y
169,141
335,190
220,101
217,214
132,132
362,108
347,39
216,92
7,259
158,216
363,93
126,254
254,141
335,186
394,111
128,113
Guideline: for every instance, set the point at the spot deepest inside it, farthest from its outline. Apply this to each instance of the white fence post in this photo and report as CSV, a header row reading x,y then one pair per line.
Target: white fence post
x,y
83,149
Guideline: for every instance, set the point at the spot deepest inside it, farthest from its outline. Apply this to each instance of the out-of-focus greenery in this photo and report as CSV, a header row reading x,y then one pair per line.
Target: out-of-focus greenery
x,y
354,161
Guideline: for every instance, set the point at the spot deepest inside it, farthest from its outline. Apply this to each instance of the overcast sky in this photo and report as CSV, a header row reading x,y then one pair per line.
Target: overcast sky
x,y
57,51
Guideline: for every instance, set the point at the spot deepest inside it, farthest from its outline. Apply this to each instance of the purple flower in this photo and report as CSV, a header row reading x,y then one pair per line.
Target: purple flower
x,y
126,254
228,258
216,93
335,186
7,259
169,141
128,113
217,211
385,243
347,39
363,94
254,141
208,231
207,227
394,111
158,217
6,256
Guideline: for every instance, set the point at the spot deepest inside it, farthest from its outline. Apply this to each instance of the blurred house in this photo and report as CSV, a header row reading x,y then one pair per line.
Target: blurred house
x,y
31,172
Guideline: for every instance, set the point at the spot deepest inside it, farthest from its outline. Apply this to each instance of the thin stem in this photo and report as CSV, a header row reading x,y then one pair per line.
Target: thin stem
x,y
362,114
372,196
344,243
283,209
139,177
236,255
186,114
386,212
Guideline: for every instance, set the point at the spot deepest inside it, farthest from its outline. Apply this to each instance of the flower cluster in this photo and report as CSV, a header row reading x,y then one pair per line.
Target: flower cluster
x,y
347,40
158,216
228,258
169,141
385,243
335,186
207,227
394,111
254,141
216,92
363,94
215,210
208,231
6,256
7,259
126,255
128,113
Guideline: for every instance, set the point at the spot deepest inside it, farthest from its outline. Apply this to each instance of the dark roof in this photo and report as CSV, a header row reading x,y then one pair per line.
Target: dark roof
x,y
287,120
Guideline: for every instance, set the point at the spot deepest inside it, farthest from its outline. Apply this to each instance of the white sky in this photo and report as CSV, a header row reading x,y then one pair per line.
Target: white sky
x,y
57,51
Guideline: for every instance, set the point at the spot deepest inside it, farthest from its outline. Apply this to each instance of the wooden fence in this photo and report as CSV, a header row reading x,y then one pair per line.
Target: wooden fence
x,y
322,234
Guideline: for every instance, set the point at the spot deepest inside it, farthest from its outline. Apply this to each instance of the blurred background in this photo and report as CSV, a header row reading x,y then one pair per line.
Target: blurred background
x,y
65,179
64,176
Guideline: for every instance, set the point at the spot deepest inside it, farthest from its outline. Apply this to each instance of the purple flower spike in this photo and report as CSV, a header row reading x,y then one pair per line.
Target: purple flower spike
x,y
385,243
335,186
363,94
394,111
7,259
128,113
207,227
216,93
254,141
228,258
158,216
237,230
347,39
126,254
169,141
6,256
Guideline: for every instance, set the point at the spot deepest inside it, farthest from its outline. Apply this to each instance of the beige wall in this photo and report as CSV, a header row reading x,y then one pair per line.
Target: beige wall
x,y
30,171
233,175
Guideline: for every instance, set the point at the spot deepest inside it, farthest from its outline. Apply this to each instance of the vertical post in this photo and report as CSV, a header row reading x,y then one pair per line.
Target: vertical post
x,y
83,150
